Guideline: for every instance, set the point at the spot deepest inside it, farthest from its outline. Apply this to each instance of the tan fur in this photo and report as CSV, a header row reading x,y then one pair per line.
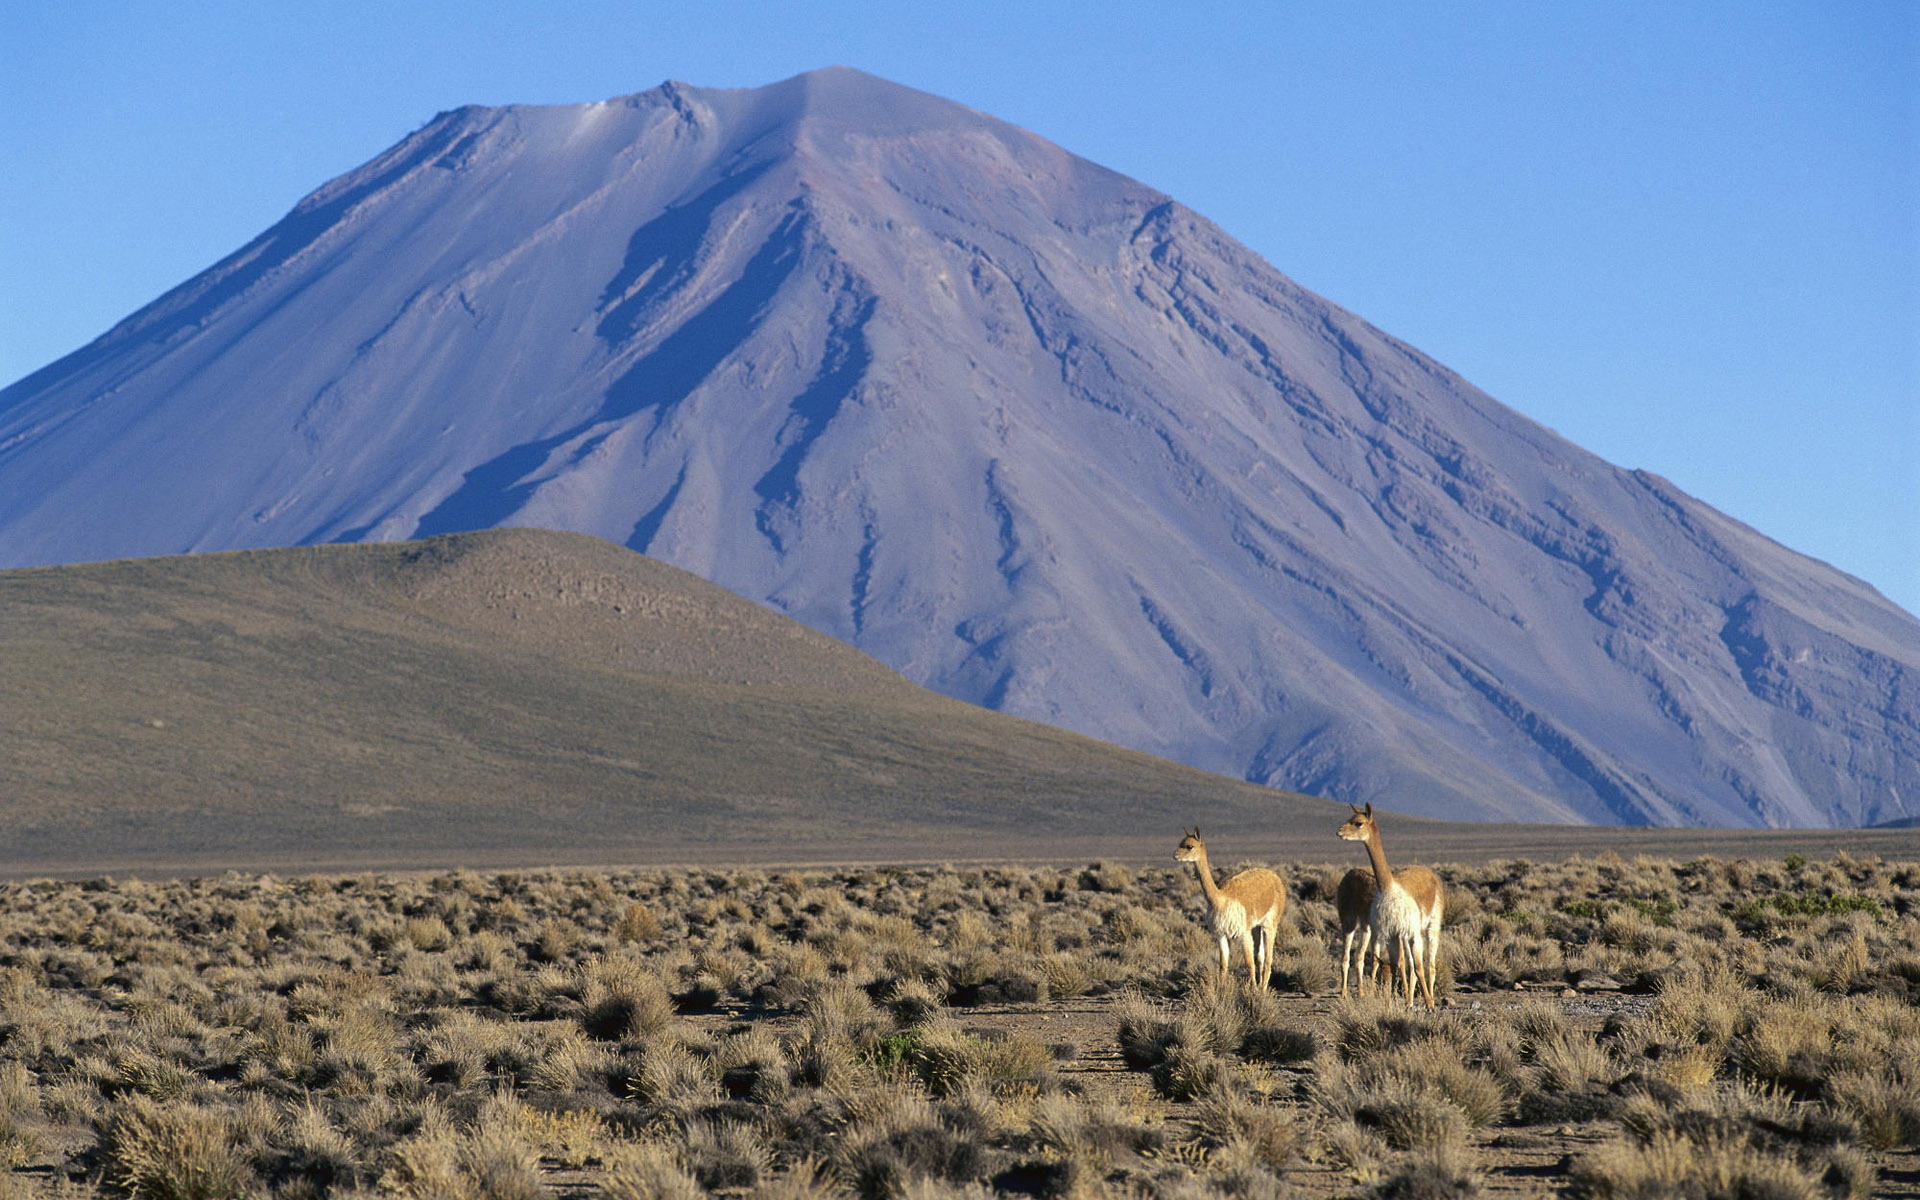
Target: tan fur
x,y
1352,903
1247,908
1423,885
1407,909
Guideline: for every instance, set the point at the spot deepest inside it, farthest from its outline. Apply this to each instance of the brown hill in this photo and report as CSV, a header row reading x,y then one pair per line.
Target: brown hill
x,y
515,696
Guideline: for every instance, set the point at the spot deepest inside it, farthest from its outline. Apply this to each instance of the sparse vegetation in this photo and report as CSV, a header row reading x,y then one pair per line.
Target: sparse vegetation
x,y
1610,1028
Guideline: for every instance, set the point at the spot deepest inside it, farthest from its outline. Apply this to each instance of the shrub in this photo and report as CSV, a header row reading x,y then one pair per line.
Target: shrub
x,y
1787,1045
637,924
649,1171
912,1001
1089,1129
1718,1166
1147,1033
896,1052
726,1155
1304,968
1408,1116
1571,1061
138,1069
1215,1014
623,1000
1366,1025
566,1062
1190,1072
427,933
18,1145
839,1013
358,1051
673,1082
807,1179
172,1151
1356,1146
753,1065
1437,1067
895,1139
1741,1142
947,1057
497,1162
1106,877
1066,975
1886,1103
1263,1133
318,1154
1439,1173
1277,1044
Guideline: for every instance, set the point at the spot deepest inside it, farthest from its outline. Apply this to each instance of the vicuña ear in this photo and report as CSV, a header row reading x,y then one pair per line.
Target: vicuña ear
x,y
1369,811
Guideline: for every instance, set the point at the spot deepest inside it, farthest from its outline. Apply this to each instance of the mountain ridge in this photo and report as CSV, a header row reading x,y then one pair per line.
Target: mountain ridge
x,y
1032,433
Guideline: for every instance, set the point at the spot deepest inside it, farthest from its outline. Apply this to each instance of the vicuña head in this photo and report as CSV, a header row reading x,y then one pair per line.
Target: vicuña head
x,y
1192,847
1359,826
1247,907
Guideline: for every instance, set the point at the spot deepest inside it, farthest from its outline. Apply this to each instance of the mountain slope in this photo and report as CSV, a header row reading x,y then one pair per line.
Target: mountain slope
x,y
508,694
1027,431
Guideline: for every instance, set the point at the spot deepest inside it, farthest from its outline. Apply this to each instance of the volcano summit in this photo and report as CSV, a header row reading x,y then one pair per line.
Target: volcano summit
x,y
1026,430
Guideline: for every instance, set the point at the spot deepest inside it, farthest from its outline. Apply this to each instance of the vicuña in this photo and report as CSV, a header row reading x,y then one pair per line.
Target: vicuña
x,y
1247,907
1405,918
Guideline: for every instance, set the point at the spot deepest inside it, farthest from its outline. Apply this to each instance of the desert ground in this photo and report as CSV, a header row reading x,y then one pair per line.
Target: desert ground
x,y
1609,1024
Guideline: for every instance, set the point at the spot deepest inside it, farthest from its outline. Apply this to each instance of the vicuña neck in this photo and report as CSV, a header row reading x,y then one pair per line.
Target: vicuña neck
x,y
1382,874
1205,872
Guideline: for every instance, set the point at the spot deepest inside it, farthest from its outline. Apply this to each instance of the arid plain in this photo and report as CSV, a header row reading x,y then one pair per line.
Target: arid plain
x,y
1607,1027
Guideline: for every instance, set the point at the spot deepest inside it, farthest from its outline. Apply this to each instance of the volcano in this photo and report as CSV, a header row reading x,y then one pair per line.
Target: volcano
x,y
1029,432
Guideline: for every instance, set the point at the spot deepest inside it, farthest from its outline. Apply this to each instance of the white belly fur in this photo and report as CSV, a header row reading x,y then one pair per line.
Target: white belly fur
x,y
1230,920
1396,916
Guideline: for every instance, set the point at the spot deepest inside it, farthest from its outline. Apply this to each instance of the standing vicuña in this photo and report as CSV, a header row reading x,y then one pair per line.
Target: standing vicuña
x,y
1406,908
1248,907
1353,903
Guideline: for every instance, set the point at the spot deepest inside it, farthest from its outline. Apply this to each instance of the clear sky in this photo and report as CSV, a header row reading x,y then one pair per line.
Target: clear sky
x,y
1685,235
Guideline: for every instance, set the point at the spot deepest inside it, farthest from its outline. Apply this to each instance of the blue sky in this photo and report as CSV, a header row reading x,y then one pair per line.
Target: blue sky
x,y
1685,235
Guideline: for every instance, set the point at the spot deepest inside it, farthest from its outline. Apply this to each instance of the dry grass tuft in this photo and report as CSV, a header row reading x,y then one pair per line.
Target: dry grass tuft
x,y
156,1150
